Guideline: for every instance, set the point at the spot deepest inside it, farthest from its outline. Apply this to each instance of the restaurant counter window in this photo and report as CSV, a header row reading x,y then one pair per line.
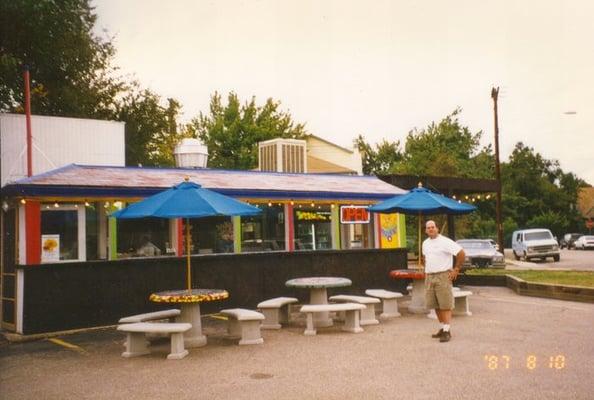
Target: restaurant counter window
x,y
210,235
313,228
264,232
143,237
357,236
59,232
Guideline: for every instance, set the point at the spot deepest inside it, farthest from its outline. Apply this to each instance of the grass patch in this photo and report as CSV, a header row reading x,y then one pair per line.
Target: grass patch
x,y
575,278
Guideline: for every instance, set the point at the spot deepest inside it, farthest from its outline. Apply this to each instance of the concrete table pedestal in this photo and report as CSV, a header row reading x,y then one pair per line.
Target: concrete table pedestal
x,y
189,302
319,294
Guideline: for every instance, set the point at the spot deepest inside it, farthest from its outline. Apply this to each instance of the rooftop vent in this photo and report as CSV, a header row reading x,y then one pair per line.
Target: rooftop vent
x,y
190,153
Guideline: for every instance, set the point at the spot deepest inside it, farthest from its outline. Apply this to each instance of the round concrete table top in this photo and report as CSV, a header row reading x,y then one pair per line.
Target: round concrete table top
x,y
189,296
407,274
319,282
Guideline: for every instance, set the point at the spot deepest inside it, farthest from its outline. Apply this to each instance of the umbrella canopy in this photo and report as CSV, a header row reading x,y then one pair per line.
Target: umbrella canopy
x,y
187,200
421,201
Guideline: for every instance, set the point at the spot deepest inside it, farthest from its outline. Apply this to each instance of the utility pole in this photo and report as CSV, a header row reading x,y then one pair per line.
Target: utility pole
x,y
494,96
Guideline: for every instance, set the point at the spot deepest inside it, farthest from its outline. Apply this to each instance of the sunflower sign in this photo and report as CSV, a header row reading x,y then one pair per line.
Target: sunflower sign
x,y
50,248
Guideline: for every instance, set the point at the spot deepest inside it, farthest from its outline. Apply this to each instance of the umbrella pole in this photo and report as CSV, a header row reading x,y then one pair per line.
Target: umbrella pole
x,y
419,258
189,267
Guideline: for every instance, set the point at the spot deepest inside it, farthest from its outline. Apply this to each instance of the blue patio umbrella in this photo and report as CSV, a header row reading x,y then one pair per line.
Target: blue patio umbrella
x,y
421,201
187,200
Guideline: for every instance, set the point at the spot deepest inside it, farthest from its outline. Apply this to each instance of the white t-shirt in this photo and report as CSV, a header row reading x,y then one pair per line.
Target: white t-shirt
x,y
438,253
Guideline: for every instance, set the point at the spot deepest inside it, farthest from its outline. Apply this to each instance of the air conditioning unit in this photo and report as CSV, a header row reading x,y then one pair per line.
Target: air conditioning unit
x,y
282,155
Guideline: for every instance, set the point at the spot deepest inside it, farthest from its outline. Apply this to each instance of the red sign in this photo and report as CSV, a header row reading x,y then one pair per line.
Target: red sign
x,y
354,215
589,224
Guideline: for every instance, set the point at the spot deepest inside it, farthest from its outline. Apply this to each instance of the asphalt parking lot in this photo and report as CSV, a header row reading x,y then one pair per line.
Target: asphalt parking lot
x,y
570,260
511,347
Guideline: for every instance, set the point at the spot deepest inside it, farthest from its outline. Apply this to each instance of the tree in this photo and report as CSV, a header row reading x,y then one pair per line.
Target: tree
x,y
70,67
151,129
537,193
446,149
380,160
232,131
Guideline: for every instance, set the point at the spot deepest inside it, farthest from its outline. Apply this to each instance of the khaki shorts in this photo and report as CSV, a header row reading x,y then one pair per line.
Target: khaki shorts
x,y
438,291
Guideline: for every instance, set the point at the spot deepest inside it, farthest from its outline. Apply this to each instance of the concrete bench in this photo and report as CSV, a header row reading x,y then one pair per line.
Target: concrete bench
x,y
244,324
136,344
351,323
276,311
389,302
152,316
461,306
368,314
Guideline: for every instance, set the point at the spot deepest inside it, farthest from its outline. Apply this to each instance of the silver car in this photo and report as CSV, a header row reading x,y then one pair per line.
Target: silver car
x,y
584,242
480,253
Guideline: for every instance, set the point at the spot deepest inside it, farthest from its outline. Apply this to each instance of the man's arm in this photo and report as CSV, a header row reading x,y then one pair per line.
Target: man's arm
x,y
459,261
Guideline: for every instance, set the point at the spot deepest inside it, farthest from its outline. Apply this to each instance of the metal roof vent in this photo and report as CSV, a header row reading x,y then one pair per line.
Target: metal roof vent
x,y
190,153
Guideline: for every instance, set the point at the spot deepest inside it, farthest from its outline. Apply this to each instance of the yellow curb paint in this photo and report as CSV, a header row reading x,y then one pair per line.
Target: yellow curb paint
x,y
68,345
215,316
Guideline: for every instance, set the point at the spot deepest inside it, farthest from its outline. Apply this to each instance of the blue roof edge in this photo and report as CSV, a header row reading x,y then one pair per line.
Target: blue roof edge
x,y
106,191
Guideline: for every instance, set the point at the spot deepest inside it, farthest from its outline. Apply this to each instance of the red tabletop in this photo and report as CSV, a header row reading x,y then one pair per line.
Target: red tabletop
x,y
407,274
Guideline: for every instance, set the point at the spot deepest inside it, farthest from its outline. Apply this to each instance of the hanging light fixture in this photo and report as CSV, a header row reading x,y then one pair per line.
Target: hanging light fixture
x,y
23,201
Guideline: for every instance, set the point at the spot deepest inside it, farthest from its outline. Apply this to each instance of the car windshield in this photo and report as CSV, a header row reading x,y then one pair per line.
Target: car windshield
x,y
538,235
475,245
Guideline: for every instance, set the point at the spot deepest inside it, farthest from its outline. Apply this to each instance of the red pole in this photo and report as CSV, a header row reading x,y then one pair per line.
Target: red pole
x,y
28,120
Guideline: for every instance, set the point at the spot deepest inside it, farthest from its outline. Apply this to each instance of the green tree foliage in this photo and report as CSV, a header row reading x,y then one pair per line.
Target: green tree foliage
x,y
537,193
445,149
151,128
381,159
232,131
71,72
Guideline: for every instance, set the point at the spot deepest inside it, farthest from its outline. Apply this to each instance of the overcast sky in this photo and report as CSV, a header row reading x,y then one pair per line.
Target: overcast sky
x,y
377,68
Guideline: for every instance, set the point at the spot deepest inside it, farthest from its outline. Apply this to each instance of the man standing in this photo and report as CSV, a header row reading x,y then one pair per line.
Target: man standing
x,y
439,275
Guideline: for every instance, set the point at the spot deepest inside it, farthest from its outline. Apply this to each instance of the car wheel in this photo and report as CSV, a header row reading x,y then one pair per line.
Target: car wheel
x,y
517,257
525,257
556,258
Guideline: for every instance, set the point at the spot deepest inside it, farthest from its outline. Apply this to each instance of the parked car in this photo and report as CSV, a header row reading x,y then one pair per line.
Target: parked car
x,y
481,253
535,243
584,242
569,239
493,243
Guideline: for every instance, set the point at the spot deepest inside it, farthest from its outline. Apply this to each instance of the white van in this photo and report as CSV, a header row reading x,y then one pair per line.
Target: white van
x,y
535,243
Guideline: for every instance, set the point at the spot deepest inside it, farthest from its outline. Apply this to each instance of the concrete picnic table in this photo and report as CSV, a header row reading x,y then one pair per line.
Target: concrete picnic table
x,y
189,302
417,301
318,293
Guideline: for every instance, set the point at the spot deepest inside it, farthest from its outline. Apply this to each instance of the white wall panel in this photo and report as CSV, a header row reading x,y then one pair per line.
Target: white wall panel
x,y
58,142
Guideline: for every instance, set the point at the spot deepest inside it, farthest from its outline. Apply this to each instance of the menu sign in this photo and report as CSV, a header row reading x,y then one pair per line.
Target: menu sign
x,y
50,248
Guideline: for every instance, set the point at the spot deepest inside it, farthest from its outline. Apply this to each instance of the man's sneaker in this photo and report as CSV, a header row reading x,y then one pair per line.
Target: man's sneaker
x,y
438,334
445,337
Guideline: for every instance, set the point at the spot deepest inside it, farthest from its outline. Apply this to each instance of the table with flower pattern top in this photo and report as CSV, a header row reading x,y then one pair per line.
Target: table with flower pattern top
x,y
189,302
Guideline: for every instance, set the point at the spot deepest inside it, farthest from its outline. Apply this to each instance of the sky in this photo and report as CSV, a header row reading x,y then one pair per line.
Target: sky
x,y
376,68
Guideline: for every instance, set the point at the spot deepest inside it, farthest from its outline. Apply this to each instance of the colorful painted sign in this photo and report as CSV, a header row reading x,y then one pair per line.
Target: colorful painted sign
x,y
389,237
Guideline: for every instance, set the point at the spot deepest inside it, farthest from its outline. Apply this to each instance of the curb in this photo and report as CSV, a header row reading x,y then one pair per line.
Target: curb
x,y
547,290
12,337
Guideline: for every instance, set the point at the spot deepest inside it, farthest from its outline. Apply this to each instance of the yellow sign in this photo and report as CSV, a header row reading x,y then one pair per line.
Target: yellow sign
x,y
389,237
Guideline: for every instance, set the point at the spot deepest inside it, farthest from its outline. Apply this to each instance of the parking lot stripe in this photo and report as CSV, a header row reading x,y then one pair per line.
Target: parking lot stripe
x,y
69,346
